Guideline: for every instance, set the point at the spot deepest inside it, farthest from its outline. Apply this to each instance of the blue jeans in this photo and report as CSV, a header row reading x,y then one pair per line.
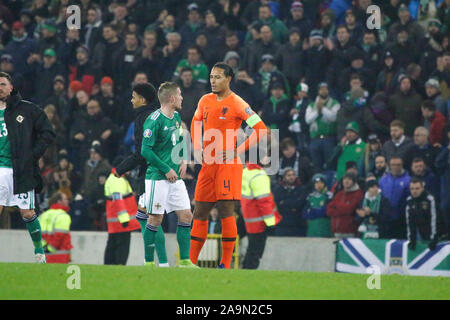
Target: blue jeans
x,y
320,150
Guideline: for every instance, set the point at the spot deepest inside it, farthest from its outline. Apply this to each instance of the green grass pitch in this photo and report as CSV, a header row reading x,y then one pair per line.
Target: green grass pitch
x,y
33,281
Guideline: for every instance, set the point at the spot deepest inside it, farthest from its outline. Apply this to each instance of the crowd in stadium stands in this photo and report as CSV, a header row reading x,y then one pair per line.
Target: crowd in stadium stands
x,y
360,112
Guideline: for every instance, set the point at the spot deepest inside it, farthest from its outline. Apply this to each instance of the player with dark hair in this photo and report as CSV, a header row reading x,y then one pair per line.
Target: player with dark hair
x,y
25,134
143,98
220,178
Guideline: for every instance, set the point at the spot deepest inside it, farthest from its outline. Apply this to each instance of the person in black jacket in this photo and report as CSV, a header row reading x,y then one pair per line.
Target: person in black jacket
x,y
421,216
290,198
25,134
143,97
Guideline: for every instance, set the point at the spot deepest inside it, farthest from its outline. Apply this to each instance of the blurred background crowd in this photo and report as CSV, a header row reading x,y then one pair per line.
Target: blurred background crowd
x,y
360,112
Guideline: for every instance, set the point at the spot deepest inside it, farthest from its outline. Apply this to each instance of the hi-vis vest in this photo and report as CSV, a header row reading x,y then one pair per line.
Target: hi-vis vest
x,y
121,205
55,226
257,204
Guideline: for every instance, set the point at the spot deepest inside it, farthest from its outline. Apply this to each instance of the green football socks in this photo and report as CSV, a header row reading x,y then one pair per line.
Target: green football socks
x,y
34,228
184,239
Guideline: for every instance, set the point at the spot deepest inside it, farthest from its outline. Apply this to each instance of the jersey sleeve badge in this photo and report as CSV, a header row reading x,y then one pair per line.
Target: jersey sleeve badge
x,y
147,133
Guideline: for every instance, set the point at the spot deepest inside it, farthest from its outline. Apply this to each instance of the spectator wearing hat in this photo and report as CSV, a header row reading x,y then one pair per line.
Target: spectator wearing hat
x,y
96,170
340,59
91,31
315,210
83,70
406,105
350,148
268,75
298,125
106,50
321,118
232,59
59,99
317,60
125,62
297,19
394,186
20,47
109,101
290,198
434,121
414,29
366,163
422,149
357,66
431,47
372,212
189,29
44,73
275,110
290,58
195,62
258,48
388,77
49,38
433,91
342,208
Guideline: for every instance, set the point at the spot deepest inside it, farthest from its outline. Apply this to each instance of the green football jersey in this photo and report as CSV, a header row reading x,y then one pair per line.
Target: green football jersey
x,y
5,149
161,136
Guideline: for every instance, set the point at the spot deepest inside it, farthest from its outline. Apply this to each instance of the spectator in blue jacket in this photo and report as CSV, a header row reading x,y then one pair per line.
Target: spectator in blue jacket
x,y
20,47
290,198
395,187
